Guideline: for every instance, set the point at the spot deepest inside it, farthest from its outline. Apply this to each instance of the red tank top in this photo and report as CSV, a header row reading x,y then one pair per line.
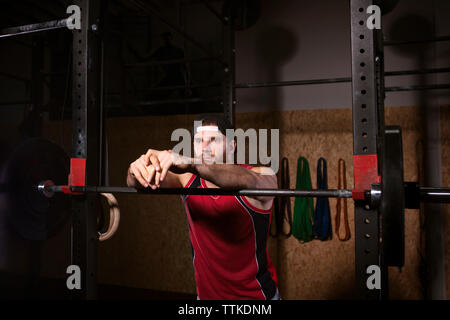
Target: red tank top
x,y
228,239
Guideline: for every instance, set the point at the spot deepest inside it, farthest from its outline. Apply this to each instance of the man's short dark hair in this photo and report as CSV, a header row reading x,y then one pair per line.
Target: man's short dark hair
x,y
219,120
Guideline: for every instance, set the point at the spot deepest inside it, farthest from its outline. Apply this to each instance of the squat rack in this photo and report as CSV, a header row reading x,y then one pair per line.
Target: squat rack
x,y
368,104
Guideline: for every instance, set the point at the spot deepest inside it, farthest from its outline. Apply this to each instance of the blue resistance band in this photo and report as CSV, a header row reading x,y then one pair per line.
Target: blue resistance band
x,y
322,218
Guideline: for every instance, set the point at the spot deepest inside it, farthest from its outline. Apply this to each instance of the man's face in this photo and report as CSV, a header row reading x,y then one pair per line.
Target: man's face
x,y
210,145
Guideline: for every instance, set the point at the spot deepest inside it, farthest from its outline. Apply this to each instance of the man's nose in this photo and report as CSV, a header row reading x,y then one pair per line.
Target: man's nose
x,y
206,144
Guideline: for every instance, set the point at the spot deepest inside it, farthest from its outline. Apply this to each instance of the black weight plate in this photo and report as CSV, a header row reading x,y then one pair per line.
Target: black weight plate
x,y
393,199
29,213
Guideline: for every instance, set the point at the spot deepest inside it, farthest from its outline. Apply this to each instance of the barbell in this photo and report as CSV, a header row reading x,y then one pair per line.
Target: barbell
x,y
373,196
34,190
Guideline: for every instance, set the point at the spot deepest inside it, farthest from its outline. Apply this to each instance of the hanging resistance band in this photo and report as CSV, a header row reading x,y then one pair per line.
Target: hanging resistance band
x,y
322,218
274,221
286,211
342,204
303,207
283,204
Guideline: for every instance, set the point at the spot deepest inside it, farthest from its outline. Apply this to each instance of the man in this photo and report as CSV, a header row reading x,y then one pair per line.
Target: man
x,y
228,233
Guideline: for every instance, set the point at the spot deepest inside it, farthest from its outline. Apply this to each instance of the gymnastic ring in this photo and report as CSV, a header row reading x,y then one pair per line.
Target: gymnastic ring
x,y
114,217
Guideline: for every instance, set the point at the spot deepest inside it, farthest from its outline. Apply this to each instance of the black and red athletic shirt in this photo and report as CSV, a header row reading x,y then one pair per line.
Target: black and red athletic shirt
x,y
228,238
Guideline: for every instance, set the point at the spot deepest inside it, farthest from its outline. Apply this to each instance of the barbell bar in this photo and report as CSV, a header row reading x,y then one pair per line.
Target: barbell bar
x,y
48,189
34,184
431,194
426,194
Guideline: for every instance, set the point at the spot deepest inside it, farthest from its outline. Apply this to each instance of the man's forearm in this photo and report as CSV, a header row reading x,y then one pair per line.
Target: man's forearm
x,y
226,175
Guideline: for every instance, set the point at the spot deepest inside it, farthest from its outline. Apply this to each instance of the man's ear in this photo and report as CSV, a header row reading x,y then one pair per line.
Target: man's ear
x,y
232,146
231,149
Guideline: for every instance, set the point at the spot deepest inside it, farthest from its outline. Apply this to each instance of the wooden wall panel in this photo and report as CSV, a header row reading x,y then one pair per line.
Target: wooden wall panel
x,y
151,248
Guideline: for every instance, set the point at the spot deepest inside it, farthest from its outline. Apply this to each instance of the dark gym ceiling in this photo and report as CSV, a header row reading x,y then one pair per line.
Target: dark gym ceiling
x,y
23,12
30,11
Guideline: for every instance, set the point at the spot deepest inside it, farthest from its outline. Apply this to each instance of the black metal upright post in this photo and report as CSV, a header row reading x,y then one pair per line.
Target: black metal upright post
x,y
85,144
229,78
368,132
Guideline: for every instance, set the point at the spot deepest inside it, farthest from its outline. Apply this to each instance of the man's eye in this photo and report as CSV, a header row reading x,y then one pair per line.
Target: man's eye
x,y
213,139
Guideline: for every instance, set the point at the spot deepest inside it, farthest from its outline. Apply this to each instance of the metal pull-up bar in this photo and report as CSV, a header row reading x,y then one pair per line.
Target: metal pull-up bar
x,y
32,28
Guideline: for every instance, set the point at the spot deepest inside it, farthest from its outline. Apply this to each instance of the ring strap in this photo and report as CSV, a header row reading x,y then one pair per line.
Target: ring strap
x,y
114,217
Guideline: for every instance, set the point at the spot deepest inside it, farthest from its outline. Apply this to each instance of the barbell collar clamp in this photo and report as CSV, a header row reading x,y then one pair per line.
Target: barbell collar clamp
x,y
375,195
47,188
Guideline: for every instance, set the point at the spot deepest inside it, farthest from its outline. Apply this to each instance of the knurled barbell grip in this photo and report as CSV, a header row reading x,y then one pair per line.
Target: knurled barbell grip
x,y
210,191
430,194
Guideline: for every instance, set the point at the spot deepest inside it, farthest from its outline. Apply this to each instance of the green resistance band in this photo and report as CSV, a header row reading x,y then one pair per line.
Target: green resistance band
x,y
303,207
